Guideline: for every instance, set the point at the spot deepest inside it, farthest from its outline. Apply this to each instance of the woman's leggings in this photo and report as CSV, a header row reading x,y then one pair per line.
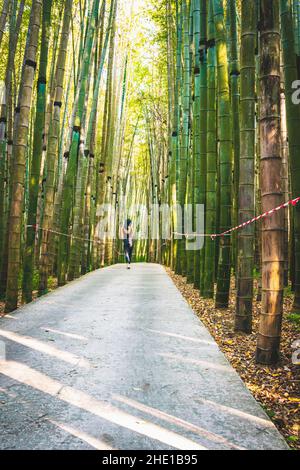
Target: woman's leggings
x,y
128,252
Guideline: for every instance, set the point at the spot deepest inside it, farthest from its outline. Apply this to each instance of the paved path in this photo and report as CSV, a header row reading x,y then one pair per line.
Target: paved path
x,y
118,360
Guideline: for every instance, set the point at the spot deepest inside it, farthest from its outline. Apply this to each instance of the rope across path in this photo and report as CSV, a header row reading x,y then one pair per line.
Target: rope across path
x,y
68,235
292,202
88,240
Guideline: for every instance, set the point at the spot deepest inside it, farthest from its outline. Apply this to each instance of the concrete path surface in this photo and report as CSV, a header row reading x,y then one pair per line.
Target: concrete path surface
x,y
118,360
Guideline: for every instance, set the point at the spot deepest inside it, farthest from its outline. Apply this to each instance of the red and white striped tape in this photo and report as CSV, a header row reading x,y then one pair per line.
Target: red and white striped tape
x,y
292,202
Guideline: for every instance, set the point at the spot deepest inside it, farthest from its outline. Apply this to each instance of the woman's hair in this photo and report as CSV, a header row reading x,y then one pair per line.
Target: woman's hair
x,y
128,223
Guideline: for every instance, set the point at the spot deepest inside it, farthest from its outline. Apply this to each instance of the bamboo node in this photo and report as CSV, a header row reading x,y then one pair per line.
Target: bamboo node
x,y
31,63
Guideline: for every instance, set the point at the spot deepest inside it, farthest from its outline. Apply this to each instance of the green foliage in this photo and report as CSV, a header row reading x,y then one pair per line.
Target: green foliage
x,y
270,413
294,318
288,292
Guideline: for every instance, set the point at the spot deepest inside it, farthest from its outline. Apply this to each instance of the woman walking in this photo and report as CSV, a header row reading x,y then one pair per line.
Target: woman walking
x,y
128,241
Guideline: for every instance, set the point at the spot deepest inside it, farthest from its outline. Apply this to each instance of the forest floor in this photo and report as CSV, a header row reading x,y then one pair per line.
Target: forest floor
x,y
275,388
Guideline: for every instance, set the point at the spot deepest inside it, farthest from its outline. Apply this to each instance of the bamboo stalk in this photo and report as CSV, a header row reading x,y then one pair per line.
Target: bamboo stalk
x,y
268,343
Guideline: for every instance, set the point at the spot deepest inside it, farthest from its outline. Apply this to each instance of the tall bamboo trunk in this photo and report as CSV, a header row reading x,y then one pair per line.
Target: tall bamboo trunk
x,y
34,180
291,74
233,46
196,128
225,149
184,150
51,159
191,160
81,183
176,136
285,179
6,142
268,345
90,197
170,170
20,154
243,316
70,176
104,177
295,8
211,190
111,143
203,126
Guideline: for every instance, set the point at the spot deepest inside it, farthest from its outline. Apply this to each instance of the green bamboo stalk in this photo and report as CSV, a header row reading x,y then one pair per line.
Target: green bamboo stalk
x,y
191,158
172,103
51,159
76,246
99,77
55,48
184,150
88,232
225,149
268,344
6,142
243,315
294,9
203,125
34,179
111,141
197,126
232,17
211,193
285,176
104,165
70,176
91,136
59,175
20,147
175,175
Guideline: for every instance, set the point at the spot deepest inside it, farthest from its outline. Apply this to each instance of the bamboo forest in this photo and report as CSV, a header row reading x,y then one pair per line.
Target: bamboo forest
x,y
181,118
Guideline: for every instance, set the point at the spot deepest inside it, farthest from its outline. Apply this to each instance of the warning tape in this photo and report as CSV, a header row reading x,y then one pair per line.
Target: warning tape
x,y
292,202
